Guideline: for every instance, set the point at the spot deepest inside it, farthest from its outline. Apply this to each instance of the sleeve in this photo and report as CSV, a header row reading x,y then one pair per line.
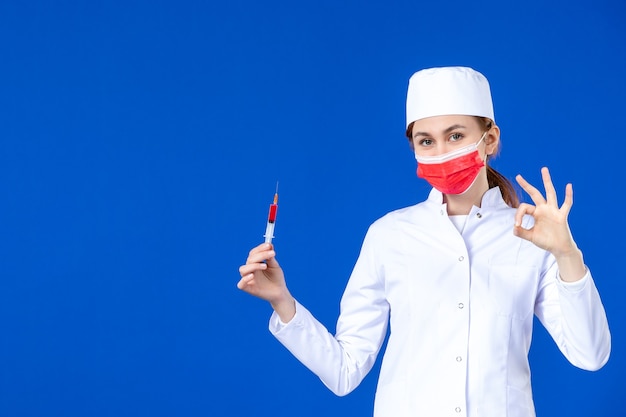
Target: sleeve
x,y
343,360
574,316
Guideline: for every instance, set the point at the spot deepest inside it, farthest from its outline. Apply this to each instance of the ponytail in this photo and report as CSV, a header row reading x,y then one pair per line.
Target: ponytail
x,y
509,195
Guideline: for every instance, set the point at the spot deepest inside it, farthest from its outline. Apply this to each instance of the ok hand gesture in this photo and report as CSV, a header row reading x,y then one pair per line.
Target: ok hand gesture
x,y
551,230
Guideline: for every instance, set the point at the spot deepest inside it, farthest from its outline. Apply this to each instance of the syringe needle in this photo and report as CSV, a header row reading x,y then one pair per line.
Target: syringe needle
x,y
276,194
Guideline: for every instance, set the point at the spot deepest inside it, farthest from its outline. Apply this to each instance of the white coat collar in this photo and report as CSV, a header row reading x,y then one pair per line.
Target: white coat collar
x,y
491,199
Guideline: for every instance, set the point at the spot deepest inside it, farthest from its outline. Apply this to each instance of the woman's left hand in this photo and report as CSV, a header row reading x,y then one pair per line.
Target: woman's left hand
x,y
551,230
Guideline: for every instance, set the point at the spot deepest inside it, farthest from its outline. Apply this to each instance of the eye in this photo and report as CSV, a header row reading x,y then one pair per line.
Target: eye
x,y
425,142
455,137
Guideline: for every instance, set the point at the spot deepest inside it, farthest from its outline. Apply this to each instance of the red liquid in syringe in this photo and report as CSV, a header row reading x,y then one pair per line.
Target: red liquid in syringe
x,y
271,218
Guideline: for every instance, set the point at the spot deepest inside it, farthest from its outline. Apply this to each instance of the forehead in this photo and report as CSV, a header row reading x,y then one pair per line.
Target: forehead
x,y
436,124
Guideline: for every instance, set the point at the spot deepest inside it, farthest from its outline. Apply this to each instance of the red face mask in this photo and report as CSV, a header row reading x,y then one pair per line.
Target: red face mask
x,y
453,172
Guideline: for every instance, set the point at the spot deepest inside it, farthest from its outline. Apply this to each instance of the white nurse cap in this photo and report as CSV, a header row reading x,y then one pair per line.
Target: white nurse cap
x,y
448,90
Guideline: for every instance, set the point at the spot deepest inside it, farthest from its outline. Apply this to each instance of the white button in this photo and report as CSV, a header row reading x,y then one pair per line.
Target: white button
x,y
458,409
459,359
441,212
479,215
461,305
461,258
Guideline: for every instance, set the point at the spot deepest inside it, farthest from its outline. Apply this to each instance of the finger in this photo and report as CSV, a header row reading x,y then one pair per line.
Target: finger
x,y
549,187
569,199
248,269
260,256
260,248
246,281
248,284
522,210
525,234
272,262
534,193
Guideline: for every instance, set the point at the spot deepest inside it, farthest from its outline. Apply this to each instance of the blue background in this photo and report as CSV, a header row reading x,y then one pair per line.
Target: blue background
x,y
140,144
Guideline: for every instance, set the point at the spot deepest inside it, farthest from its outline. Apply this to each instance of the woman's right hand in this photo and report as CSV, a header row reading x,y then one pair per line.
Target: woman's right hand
x,y
263,277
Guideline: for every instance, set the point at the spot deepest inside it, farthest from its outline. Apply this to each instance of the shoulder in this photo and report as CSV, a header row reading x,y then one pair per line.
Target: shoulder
x,y
402,217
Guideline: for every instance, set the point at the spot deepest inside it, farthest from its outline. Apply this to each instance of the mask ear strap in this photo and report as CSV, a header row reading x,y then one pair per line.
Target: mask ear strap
x,y
477,143
481,138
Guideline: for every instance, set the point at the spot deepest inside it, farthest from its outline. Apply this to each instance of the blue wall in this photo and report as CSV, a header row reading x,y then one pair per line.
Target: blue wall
x,y
140,143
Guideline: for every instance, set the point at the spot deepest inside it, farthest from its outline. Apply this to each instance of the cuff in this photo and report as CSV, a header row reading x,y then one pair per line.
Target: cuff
x,y
276,324
575,286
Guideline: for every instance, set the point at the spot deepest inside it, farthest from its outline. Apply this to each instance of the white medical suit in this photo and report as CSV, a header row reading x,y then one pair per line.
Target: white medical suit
x,y
460,309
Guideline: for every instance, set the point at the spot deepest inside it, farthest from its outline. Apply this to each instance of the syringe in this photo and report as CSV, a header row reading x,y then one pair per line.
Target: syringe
x,y
271,218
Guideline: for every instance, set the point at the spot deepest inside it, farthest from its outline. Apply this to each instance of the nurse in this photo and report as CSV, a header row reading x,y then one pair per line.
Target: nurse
x,y
457,277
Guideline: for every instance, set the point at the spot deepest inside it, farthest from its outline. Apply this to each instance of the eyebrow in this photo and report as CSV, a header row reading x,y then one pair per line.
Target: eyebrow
x,y
447,130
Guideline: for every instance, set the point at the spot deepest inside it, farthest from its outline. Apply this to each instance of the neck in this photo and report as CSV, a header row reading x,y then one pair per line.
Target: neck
x,y
462,203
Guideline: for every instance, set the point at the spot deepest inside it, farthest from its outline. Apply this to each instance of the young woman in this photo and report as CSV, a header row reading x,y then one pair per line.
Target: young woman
x,y
457,277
